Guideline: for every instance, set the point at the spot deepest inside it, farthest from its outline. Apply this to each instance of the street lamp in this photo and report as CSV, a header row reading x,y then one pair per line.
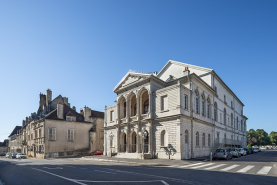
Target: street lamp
x,y
143,136
111,139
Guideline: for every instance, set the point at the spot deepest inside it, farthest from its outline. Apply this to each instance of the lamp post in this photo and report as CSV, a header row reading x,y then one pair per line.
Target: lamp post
x,y
143,136
111,139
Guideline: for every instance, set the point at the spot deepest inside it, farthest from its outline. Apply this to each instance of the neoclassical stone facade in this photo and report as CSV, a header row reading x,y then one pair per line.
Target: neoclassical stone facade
x,y
185,110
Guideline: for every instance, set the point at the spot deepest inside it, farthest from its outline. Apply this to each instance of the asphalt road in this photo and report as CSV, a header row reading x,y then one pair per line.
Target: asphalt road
x,y
260,168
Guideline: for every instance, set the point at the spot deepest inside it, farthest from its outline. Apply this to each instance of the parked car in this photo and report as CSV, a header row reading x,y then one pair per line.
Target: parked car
x,y
97,153
255,150
235,152
21,156
242,151
12,155
7,155
247,151
3,154
222,154
251,150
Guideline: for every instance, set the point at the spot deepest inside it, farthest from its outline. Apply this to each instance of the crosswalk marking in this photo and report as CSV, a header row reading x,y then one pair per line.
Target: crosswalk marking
x,y
173,166
230,167
264,170
195,167
245,169
213,167
191,165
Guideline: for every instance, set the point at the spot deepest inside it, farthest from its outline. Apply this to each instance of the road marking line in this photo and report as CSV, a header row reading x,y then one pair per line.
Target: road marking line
x,y
230,167
213,167
264,170
172,166
57,168
191,165
72,180
125,181
104,171
247,168
195,167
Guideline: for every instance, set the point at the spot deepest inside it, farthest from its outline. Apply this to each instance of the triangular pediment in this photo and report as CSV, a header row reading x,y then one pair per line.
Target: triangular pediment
x,y
130,79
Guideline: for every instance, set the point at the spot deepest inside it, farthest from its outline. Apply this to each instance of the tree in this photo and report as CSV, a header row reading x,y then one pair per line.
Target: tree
x,y
273,138
252,137
248,146
262,137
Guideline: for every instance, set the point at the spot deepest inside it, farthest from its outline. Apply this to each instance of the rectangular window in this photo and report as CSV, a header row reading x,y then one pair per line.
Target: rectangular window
x,y
164,103
73,118
186,102
70,134
68,118
36,135
111,115
52,134
39,133
31,136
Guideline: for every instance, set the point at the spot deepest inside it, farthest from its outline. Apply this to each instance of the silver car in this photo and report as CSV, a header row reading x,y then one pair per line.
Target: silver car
x,y
222,154
242,151
235,152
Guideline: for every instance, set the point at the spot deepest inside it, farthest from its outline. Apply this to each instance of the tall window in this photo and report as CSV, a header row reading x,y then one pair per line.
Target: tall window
x,y
215,111
39,133
196,102
164,103
163,138
215,89
241,125
124,109
197,139
232,120
70,134
208,108
231,104
146,107
209,140
203,139
186,137
186,102
225,117
135,109
111,115
237,123
52,134
224,98
202,105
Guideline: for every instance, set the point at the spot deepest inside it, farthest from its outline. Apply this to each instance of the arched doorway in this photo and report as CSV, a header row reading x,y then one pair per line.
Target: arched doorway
x,y
123,142
133,142
145,102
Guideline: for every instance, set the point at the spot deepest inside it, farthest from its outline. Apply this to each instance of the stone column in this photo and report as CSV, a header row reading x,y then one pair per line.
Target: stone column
x,y
138,108
138,140
150,138
118,113
150,105
118,139
128,107
127,139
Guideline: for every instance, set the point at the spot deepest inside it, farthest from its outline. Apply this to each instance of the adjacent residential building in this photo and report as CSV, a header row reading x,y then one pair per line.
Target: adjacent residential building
x,y
58,130
184,110
4,146
15,140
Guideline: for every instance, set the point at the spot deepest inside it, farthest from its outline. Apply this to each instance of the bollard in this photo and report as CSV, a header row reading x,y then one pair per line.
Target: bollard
x,y
211,157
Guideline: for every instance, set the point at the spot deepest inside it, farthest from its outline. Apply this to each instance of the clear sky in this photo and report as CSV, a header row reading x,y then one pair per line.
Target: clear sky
x,y
82,49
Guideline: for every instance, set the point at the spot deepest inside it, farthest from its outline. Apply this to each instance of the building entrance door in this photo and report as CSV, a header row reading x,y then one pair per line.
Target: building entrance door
x,y
35,152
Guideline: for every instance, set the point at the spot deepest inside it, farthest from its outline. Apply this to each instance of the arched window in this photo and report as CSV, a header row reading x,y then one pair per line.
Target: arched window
x,y
197,139
135,109
224,117
124,109
203,139
163,142
215,111
232,120
146,106
237,123
241,124
202,105
208,108
196,102
209,140
186,137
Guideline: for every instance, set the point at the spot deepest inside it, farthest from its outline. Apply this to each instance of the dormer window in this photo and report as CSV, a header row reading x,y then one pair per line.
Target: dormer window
x,y
70,118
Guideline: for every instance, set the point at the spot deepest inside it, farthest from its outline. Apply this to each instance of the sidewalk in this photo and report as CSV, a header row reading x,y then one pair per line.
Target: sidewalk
x,y
146,162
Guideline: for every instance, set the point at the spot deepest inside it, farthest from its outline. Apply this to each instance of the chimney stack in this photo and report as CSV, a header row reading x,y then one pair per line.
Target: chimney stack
x,y
155,73
186,72
60,111
74,108
87,113
48,96
65,100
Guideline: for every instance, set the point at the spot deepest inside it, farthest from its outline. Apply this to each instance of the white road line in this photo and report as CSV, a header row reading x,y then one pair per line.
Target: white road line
x,y
125,181
230,167
195,167
213,167
264,170
72,180
172,166
57,168
104,171
246,169
191,165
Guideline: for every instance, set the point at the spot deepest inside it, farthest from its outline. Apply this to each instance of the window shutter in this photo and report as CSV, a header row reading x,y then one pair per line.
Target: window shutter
x,y
68,134
49,133
72,134
54,133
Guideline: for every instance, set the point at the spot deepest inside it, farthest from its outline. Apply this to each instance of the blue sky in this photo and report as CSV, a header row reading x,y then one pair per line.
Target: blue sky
x,y
82,49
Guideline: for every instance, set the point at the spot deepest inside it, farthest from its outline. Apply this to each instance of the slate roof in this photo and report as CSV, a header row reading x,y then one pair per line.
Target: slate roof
x,y
17,128
97,114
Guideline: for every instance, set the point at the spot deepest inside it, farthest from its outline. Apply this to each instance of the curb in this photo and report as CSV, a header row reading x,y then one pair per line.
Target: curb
x,y
117,161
